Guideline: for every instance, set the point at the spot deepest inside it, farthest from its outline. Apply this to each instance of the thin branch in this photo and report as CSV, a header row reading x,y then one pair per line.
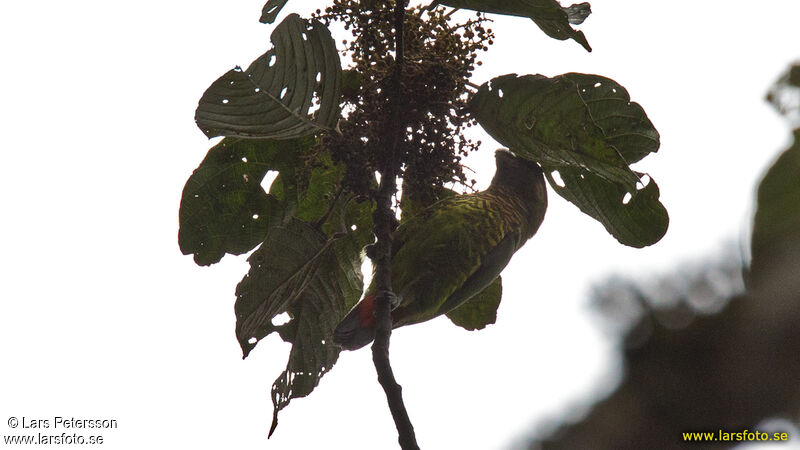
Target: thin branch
x,y
319,223
384,219
433,5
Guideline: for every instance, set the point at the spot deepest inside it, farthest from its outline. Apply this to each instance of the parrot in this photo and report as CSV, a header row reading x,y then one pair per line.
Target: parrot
x,y
454,249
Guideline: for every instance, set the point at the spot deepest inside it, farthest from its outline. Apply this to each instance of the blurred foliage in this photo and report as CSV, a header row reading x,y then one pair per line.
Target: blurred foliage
x,y
785,95
702,354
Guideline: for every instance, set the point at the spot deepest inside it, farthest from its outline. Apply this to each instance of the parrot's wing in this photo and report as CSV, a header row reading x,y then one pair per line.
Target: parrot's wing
x,y
442,249
492,264
409,227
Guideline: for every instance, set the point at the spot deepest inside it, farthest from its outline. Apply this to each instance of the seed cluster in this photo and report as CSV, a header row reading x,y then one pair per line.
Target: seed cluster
x,y
439,59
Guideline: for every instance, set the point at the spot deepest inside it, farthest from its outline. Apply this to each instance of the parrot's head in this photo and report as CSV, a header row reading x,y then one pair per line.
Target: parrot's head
x,y
523,179
522,175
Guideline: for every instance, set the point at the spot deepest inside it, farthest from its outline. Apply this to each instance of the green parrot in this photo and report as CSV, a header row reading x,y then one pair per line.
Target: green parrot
x,y
454,249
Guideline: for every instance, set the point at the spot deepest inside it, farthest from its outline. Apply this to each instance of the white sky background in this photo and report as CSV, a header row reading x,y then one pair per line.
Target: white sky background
x,y
101,316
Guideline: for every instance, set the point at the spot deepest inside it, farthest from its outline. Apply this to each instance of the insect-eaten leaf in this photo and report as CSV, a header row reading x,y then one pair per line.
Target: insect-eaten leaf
x,y
585,128
271,10
635,218
624,124
480,310
571,120
549,15
310,269
224,208
292,90
300,271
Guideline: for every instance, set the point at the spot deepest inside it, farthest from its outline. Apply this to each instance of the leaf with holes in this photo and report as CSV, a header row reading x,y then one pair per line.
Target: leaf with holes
x,y
321,215
480,310
586,128
549,15
314,278
635,218
624,123
309,268
580,121
314,317
224,208
276,96
271,10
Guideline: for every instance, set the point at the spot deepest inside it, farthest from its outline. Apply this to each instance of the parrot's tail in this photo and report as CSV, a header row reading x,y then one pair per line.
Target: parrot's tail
x,y
357,329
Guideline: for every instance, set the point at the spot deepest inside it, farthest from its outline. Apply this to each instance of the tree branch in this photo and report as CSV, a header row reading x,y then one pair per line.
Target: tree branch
x,y
384,220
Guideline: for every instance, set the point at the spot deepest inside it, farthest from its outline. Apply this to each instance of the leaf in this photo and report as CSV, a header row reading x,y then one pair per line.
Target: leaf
x,y
586,128
624,123
578,12
271,10
553,19
552,121
558,28
223,208
274,97
636,218
290,254
480,310
296,270
313,352
318,311
313,275
280,270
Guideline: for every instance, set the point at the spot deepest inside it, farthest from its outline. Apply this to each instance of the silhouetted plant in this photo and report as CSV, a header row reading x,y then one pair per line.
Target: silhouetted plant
x,y
399,109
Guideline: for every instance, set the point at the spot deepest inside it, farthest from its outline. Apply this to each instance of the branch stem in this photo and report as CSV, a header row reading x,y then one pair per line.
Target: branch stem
x,y
384,221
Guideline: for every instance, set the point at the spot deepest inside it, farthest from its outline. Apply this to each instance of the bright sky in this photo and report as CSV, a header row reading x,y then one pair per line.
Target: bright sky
x,y
102,317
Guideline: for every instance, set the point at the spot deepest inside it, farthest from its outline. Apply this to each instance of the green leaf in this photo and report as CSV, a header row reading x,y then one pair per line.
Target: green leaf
x,y
274,97
566,121
295,271
586,128
624,123
315,279
271,10
223,208
553,19
322,218
280,271
480,310
310,268
635,218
